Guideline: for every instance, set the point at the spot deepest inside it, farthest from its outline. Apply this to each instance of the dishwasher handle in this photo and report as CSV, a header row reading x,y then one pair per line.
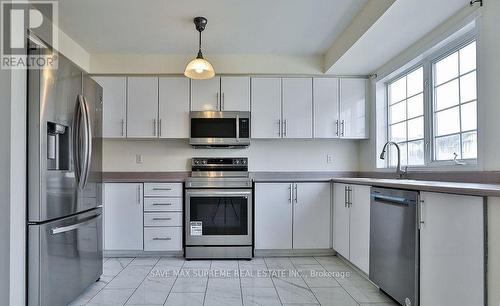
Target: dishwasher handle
x,y
390,199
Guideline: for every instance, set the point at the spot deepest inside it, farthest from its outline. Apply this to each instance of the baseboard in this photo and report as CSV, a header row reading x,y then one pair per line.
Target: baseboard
x,y
143,254
294,252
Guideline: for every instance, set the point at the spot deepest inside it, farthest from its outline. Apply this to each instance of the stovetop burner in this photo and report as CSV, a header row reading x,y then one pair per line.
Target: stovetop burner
x,y
219,172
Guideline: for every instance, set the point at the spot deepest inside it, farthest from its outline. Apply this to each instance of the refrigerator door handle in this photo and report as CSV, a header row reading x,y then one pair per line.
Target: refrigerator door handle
x,y
77,116
72,227
87,142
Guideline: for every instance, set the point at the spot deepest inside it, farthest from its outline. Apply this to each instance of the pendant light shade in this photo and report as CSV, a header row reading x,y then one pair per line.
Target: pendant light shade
x,y
199,68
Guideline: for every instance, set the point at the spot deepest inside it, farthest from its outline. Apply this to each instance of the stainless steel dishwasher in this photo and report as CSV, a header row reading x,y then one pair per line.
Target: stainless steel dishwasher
x,y
394,243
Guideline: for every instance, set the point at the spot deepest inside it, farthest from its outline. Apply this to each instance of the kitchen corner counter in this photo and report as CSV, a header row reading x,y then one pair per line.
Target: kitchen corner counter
x,y
297,176
126,177
474,189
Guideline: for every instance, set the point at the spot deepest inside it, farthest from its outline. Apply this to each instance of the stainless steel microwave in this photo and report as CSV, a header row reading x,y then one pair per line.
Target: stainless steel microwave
x,y
220,129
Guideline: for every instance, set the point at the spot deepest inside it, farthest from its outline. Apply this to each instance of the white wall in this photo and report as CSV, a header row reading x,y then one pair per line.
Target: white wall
x,y
264,155
4,186
488,80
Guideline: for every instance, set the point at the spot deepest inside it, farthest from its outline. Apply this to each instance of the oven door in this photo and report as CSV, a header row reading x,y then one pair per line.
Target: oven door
x,y
218,217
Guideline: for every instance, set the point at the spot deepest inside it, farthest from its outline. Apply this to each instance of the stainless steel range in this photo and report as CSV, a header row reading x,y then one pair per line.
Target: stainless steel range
x,y
219,209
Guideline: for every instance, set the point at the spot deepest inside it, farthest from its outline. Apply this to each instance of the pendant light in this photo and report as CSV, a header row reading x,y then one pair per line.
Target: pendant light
x,y
199,68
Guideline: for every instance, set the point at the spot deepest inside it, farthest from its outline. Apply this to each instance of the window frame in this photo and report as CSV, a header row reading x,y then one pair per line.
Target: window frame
x,y
428,63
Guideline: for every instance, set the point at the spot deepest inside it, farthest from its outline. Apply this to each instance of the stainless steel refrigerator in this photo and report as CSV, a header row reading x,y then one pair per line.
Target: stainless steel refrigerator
x,y
64,224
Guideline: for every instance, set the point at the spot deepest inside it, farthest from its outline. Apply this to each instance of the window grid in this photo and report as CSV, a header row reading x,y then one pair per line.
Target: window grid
x,y
459,105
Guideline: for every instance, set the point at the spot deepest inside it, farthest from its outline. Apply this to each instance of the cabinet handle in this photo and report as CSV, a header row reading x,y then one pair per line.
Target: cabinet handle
x,y
337,128
162,219
159,127
223,102
154,127
160,188
349,196
295,193
162,238
279,127
343,128
162,204
123,127
285,128
139,194
291,193
345,196
217,100
421,221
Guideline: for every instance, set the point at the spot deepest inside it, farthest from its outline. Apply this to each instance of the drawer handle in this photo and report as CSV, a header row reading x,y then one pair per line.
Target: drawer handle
x,y
160,219
162,238
158,188
162,204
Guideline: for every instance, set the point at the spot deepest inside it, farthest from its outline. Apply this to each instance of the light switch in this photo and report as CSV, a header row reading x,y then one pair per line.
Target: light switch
x,y
138,158
329,159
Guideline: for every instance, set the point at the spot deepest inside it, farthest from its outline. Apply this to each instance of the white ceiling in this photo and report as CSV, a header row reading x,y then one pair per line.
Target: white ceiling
x,y
288,27
404,23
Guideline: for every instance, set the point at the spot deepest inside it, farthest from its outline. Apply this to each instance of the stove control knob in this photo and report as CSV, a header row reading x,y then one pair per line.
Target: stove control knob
x,y
243,161
236,161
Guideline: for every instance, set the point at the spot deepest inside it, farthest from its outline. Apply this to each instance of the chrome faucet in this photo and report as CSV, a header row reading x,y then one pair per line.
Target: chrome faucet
x,y
399,170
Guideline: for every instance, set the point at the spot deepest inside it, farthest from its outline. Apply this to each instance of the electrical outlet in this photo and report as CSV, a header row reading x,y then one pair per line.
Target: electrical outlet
x,y
329,159
138,158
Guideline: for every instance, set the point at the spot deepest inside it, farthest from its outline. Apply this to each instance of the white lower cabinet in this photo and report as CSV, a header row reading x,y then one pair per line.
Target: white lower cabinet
x,y
163,238
351,223
292,215
123,222
451,250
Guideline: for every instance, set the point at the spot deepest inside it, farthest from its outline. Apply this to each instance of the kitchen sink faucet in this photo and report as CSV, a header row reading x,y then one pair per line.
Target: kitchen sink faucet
x,y
399,170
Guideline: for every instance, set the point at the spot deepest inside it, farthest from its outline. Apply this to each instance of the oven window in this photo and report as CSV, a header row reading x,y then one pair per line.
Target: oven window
x,y
213,128
220,215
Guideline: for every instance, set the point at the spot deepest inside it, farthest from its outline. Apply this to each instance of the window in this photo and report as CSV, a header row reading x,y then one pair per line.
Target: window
x,y
406,117
432,108
455,106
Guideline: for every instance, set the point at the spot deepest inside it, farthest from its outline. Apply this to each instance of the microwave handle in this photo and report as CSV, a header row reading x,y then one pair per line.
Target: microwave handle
x,y
237,128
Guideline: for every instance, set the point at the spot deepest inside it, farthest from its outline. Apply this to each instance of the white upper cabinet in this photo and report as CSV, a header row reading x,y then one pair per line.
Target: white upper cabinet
x,y
297,108
266,108
235,94
326,107
273,216
353,108
114,106
205,94
452,250
173,107
142,107
311,216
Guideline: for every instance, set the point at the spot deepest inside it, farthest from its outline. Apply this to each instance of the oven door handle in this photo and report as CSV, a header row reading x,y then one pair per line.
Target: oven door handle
x,y
215,193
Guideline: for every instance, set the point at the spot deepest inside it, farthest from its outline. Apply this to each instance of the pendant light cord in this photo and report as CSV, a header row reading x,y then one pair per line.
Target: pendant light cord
x,y
199,47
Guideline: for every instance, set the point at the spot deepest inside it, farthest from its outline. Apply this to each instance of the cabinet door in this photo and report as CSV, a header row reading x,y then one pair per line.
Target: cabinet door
x,y
273,216
114,106
142,107
205,94
359,227
173,107
326,107
266,108
123,221
353,108
340,220
311,216
451,250
235,93
297,107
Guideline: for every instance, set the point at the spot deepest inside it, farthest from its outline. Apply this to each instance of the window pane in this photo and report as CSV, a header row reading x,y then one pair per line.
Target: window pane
x,y
416,128
393,154
447,95
397,112
469,116
446,146
447,68
416,82
468,58
416,106
397,91
416,152
398,132
447,122
468,87
469,145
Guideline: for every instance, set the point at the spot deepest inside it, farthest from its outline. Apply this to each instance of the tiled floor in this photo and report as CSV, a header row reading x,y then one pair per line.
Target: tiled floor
x,y
262,281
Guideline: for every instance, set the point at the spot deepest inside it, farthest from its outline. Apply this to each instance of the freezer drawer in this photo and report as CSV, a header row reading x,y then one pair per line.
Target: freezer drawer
x,y
64,257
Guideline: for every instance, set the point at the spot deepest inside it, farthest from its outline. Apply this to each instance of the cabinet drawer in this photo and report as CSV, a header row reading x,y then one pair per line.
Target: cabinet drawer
x,y
162,238
163,189
163,219
162,204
